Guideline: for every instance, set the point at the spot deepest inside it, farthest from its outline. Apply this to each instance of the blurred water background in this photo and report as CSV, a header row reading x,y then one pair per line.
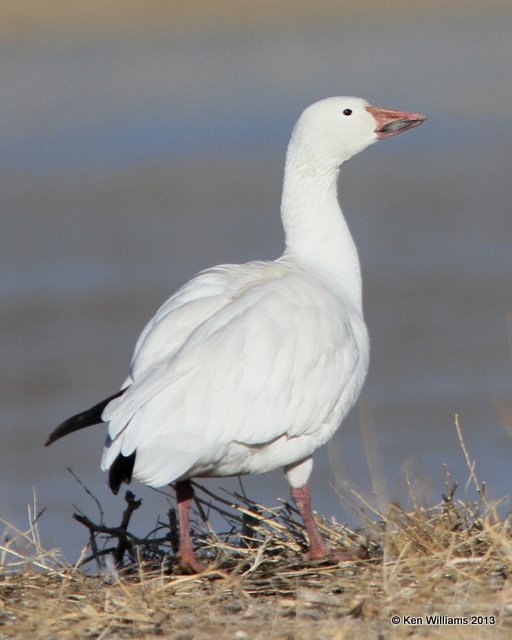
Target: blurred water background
x,y
142,142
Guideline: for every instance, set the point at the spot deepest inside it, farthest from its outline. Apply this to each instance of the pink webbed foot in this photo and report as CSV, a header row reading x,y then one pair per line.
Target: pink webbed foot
x,y
188,562
316,554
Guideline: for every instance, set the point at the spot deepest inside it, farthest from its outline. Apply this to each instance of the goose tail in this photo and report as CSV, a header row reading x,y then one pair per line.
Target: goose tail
x,y
81,420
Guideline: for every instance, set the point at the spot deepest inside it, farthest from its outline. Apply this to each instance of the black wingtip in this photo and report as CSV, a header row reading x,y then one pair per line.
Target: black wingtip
x,y
81,420
121,471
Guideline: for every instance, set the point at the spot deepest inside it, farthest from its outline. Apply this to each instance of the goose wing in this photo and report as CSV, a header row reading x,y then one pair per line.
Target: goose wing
x,y
271,360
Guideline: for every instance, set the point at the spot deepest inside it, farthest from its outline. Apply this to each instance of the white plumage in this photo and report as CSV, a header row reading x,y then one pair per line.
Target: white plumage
x,y
260,366
248,368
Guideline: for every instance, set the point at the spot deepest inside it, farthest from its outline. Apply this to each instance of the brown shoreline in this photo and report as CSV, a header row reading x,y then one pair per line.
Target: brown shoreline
x,y
73,18
452,560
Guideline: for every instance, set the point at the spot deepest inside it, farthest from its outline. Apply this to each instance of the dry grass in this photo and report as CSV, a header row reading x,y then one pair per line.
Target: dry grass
x,y
452,559
82,17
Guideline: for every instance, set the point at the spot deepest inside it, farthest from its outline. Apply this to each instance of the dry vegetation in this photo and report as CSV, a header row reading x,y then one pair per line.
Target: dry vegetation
x,y
452,559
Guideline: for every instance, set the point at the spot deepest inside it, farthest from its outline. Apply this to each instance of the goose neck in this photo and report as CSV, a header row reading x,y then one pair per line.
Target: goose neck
x,y
315,229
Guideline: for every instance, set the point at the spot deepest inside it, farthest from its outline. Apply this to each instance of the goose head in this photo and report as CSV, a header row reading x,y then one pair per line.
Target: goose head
x,y
338,128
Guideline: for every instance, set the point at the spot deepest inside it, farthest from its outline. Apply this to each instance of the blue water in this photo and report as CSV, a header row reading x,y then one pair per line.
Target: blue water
x,y
118,101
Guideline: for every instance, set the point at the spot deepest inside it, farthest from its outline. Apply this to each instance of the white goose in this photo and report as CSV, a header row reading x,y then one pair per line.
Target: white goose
x,y
252,367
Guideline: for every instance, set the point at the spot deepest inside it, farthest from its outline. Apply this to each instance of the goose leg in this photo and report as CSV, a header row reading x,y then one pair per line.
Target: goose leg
x,y
298,475
317,548
186,557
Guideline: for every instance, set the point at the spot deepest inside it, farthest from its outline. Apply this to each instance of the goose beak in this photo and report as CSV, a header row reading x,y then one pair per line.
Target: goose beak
x,y
390,122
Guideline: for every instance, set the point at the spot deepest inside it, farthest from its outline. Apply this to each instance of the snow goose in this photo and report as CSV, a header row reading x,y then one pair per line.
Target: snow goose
x,y
252,367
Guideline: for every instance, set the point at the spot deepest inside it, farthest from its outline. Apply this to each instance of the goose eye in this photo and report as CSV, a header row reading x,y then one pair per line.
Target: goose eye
x,y
347,112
